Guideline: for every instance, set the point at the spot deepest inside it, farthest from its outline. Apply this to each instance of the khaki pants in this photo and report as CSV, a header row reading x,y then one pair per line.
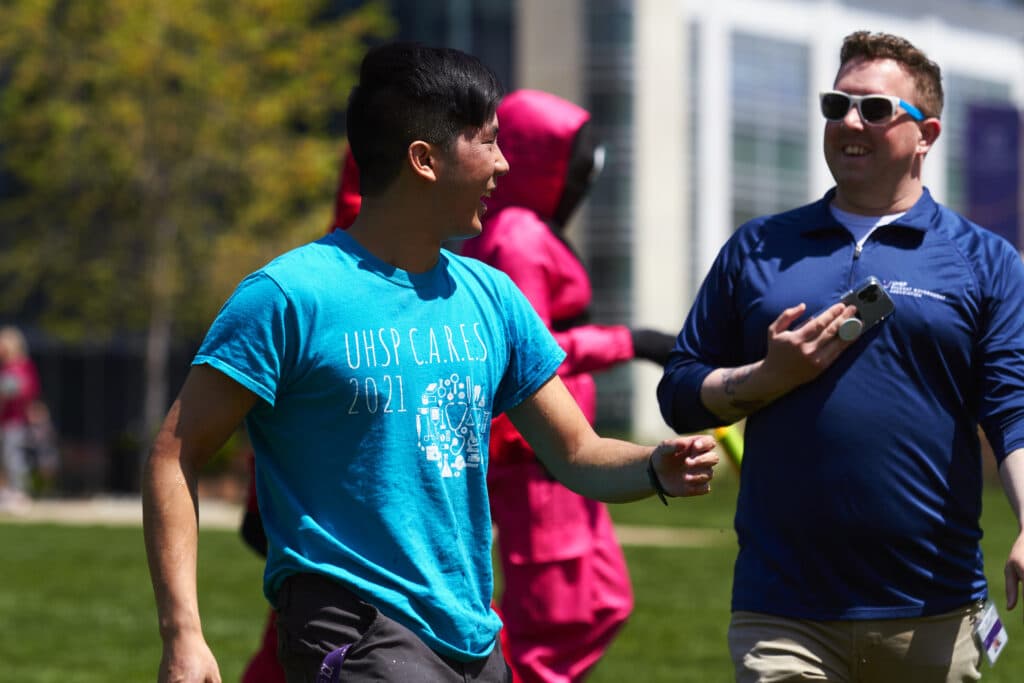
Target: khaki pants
x,y
940,648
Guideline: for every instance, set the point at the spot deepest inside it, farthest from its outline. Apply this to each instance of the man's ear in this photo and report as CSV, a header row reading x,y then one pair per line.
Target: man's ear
x,y
422,157
930,129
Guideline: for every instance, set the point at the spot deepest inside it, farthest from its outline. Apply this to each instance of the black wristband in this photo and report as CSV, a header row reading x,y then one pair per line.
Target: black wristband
x,y
655,482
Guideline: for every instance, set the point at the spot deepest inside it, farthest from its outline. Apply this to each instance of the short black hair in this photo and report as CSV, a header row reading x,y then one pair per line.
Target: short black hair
x,y
408,92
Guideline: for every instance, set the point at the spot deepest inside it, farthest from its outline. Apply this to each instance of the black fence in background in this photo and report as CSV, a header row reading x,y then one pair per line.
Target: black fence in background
x,y
95,397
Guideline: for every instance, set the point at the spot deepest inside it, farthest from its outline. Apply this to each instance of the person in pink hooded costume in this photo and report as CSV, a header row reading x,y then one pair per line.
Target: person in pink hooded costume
x,y
567,590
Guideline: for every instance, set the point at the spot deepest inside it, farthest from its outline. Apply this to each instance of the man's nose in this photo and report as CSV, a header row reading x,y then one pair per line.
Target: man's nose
x,y
853,118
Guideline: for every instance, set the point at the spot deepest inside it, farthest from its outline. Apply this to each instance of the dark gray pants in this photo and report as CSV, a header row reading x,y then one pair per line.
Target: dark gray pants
x,y
318,618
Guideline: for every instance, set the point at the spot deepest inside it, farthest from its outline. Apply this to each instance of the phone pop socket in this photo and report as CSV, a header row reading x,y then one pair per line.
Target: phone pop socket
x,y
850,329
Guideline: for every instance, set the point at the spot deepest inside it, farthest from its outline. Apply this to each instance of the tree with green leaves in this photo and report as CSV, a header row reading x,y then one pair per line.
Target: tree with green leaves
x,y
152,153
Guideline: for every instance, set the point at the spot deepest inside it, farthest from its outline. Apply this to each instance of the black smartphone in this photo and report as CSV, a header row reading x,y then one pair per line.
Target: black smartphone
x,y
873,306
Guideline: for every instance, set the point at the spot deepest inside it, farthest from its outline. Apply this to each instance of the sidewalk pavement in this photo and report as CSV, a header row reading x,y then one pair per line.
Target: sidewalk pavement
x,y
219,514
112,511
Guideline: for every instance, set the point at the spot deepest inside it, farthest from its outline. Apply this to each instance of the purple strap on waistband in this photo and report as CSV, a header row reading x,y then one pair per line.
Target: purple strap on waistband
x,y
330,669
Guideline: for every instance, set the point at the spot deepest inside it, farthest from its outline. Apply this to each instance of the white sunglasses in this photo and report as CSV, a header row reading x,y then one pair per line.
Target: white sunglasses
x,y
875,110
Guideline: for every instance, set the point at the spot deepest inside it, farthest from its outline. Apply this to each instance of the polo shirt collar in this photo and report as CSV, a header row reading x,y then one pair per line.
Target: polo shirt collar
x,y
921,216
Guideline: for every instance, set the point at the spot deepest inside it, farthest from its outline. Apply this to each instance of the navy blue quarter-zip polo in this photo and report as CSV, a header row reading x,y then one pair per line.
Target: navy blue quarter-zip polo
x,y
861,490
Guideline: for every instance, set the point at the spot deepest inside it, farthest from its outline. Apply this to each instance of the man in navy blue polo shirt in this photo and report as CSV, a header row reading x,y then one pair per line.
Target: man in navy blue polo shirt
x,y
860,496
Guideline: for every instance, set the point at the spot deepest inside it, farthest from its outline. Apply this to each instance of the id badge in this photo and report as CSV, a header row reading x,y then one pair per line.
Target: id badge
x,y
989,632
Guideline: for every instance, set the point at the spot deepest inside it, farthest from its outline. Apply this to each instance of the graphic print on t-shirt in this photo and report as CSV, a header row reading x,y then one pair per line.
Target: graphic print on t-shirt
x,y
448,423
453,409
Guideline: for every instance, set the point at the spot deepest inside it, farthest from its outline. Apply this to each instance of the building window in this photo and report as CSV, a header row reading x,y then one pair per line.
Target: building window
x,y
770,129
960,93
694,186
608,251
482,28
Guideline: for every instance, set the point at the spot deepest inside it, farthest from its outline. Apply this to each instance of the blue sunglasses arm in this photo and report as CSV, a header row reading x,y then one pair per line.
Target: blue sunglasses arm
x,y
914,112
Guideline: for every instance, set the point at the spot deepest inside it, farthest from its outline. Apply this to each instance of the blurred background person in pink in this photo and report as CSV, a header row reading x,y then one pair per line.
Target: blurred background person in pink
x,y
19,388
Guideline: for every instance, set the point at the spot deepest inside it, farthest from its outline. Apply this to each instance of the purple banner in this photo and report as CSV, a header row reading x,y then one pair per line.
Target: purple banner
x,y
992,169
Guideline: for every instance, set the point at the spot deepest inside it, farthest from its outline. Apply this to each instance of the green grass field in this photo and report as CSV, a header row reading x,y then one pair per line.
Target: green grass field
x,y
76,604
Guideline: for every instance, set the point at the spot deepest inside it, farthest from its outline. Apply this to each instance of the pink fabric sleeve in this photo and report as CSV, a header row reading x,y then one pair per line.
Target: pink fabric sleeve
x,y
534,259
591,348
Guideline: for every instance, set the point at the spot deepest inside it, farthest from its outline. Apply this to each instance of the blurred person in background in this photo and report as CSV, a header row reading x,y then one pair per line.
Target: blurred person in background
x,y
861,486
347,199
19,389
566,585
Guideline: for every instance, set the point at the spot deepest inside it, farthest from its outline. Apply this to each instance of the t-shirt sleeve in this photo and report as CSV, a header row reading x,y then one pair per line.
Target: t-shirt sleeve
x,y
534,355
252,339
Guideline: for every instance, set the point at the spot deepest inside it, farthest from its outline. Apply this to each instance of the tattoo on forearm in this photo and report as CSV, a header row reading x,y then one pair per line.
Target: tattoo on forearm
x,y
731,379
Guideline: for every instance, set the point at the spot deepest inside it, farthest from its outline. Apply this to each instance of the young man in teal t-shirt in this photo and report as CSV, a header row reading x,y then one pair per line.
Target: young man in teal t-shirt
x,y
367,366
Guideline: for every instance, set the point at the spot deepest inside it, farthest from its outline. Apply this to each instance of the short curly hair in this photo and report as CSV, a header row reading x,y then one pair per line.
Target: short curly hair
x,y
926,73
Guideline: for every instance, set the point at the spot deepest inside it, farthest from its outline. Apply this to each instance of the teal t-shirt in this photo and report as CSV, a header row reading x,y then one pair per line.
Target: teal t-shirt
x,y
378,387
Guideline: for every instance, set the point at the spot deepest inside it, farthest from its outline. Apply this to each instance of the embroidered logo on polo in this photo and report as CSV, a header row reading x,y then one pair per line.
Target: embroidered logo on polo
x,y
903,288
449,420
